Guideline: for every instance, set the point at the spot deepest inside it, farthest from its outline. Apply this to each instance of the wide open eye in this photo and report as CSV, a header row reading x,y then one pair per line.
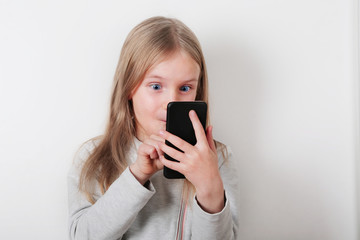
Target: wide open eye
x,y
185,88
155,86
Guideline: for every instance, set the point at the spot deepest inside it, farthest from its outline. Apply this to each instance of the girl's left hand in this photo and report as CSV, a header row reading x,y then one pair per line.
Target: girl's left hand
x,y
198,163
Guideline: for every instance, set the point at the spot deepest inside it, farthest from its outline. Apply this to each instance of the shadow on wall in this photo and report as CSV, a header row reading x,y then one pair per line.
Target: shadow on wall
x,y
235,97
239,97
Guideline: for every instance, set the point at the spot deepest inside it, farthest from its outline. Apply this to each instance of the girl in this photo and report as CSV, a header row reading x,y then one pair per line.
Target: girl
x,y
116,188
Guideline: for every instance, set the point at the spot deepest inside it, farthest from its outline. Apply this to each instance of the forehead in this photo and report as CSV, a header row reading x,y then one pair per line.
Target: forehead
x,y
176,65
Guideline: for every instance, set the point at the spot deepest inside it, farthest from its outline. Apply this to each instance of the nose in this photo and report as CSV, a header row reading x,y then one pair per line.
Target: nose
x,y
172,96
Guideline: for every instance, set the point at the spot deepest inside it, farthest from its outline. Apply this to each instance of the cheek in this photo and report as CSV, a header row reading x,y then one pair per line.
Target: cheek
x,y
192,96
144,107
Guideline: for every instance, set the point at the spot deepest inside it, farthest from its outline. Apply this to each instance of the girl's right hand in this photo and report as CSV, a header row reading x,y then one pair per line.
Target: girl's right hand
x,y
147,162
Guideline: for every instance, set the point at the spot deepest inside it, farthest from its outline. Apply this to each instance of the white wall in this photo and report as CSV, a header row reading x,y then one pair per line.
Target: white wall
x,y
284,94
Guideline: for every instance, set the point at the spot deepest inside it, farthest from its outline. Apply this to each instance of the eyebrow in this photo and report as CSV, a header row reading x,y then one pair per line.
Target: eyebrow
x,y
162,78
155,76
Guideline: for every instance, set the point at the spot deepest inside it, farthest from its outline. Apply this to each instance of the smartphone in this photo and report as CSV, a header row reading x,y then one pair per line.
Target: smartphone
x,y
178,123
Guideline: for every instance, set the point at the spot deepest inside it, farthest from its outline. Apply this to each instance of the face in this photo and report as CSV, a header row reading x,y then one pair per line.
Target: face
x,y
173,79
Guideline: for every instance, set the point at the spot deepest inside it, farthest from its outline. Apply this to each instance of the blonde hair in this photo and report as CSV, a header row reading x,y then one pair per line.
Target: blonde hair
x,y
146,45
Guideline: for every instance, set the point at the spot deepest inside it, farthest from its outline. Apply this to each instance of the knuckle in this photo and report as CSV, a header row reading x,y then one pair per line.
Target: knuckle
x,y
196,154
185,169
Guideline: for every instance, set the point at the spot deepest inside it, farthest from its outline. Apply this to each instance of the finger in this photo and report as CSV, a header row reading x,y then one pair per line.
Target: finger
x,y
157,138
171,164
152,142
154,154
210,138
172,152
198,128
148,151
176,141
159,164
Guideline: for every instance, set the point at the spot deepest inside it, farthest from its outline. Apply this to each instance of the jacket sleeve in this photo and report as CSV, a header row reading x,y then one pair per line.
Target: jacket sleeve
x,y
113,213
223,225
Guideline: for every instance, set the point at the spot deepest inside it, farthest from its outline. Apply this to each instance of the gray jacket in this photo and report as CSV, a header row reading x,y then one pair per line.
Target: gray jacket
x,y
128,210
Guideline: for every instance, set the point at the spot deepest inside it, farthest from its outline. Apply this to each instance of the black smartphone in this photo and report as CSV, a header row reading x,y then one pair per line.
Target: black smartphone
x,y
178,123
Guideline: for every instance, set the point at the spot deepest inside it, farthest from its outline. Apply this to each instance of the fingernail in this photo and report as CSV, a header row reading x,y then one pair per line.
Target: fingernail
x,y
161,132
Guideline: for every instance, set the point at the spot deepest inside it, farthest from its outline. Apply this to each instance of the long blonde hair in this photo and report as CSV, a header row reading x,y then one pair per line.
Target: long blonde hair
x,y
147,44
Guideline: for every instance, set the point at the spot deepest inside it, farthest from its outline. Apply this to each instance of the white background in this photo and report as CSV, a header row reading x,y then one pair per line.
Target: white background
x,y
284,96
